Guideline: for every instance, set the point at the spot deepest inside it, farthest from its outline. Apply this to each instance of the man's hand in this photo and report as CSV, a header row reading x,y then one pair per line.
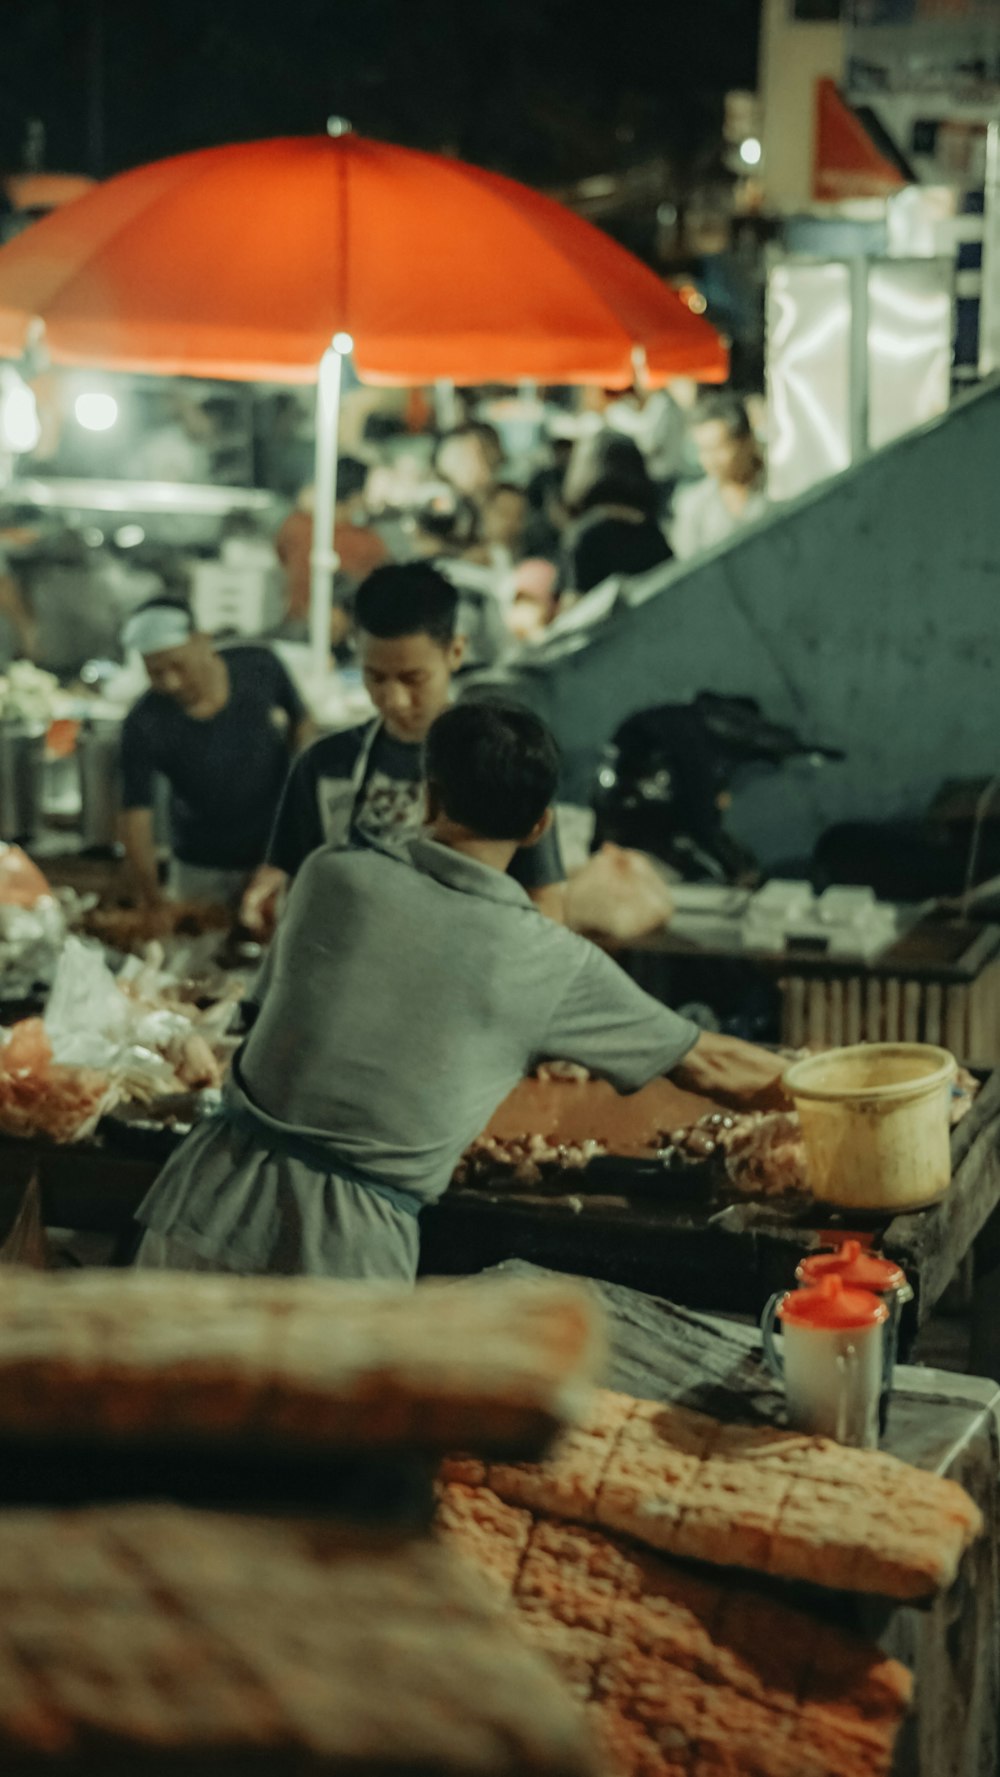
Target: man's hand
x,y
733,1072
550,900
140,852
262,900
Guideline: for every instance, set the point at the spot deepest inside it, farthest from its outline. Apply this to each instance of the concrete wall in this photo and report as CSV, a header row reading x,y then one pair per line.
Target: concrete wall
x,y
866,613
793,56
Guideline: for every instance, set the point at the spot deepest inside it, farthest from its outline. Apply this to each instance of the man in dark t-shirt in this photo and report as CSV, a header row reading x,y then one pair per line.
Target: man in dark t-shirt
x,y
367,784
220,726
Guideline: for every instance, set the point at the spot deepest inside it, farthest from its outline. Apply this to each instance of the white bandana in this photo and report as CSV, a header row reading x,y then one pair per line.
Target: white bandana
x,y
157,628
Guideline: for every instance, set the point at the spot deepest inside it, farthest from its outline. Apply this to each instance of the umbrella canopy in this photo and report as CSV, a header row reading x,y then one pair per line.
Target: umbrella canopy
x,y
243,261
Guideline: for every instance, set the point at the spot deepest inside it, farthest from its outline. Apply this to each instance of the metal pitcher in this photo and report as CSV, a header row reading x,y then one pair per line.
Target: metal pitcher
x,y
97,749
22,751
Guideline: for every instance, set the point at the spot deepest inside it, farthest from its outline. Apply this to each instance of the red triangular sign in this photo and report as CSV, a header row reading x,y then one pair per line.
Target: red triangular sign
x,y
847,163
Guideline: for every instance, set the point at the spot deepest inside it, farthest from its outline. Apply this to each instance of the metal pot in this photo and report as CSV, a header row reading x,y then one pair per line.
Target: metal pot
x,y
22,751
97,750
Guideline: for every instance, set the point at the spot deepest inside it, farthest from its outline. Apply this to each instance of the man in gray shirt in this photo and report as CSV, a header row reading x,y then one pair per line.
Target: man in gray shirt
x,y
389,1034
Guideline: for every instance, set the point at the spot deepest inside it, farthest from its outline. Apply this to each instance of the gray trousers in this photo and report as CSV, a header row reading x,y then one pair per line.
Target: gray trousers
x,y
158,1252
225,1203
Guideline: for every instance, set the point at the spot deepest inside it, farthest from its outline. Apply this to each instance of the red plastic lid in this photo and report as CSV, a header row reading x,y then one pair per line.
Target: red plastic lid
x,y
830,1304
857,1269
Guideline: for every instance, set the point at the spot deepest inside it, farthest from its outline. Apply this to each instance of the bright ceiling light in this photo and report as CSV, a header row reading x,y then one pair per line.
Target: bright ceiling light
x,y
19,424
95,412
129,536
750,152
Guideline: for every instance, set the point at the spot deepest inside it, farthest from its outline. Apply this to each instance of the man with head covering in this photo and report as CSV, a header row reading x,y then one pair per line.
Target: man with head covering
x,y
365,784
220,726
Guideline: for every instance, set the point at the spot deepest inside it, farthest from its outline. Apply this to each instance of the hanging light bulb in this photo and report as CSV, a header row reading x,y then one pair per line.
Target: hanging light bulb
x,y
95,411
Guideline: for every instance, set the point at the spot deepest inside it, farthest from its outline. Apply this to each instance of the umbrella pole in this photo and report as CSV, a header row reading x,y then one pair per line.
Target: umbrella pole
x,y
324,560
446,411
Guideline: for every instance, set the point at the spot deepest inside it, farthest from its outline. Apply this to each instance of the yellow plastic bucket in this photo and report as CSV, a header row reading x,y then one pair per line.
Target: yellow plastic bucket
x,y
875,1119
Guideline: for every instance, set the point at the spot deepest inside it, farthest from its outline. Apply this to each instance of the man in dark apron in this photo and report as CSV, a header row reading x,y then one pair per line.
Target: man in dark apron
x,y
367,783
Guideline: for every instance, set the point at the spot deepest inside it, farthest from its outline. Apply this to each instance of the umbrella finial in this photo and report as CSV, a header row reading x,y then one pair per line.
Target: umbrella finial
x,y
339,126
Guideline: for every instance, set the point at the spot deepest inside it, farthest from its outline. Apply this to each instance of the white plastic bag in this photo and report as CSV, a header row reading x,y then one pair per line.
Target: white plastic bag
x,y
91,1022
87,1018
618,894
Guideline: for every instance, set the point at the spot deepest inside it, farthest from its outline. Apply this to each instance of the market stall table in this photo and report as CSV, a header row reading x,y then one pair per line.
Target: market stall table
x,y
664,1238
945,1424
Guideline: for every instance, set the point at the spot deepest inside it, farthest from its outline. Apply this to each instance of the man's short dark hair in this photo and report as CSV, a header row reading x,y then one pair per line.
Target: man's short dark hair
x,y
727,408
493,767
407,599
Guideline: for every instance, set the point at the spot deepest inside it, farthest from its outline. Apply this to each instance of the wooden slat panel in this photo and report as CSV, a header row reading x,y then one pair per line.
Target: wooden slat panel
x,y
911,1011
816,1020
978,1054
793,995
835,1013
933,1004
891,1004
955,1031
853,1024
874,1026
989,985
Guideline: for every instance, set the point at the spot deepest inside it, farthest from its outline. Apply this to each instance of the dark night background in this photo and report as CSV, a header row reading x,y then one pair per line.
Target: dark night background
x,y
547,90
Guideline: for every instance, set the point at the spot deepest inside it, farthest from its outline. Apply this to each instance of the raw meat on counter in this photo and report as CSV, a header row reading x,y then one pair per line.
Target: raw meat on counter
x,y
125,1357
772,1502
523,1162
151,1639
678,1674
763,1152
563,1117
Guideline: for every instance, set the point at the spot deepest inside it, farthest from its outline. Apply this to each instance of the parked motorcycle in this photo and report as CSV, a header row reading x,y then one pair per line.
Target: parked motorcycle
x,y
667,777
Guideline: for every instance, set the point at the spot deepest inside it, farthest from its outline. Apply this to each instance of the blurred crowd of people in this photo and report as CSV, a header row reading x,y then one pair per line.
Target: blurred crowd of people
x,y
526,515
525,504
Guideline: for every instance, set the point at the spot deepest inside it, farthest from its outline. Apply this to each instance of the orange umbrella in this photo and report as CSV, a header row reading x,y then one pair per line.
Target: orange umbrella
x,y
247,261
243,261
